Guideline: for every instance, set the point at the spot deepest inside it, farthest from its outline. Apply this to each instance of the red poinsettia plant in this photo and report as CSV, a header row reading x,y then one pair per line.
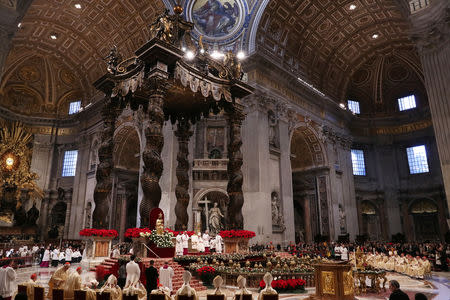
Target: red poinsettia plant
x,y
206,274
237,234
285,285
175,233
136,232
98,232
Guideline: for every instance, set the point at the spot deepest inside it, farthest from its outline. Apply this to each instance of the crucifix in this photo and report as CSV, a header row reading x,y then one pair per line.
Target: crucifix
x,y
206,202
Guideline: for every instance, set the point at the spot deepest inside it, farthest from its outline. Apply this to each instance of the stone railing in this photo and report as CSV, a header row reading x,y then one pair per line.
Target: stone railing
x,y
210,164
417,5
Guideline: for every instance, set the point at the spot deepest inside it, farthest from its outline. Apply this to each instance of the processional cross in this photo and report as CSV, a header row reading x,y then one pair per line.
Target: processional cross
x,y
206,202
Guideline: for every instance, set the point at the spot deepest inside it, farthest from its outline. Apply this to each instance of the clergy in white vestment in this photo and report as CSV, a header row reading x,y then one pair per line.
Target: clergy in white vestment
x,y
200,244
185,238
268,290
241,281
72,283
133,272
218,282
344,253
179,245
69,254
31,284
218,243
194,242
206,239
112,288
165,276
162,291
62,257
7,281
55,257
45,258
186,289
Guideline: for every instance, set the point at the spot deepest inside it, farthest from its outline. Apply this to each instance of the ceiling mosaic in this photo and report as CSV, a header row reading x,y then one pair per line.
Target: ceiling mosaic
x,y
325,42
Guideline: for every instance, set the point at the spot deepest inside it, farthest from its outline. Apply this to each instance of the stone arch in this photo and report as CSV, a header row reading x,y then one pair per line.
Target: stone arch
x,y
425,217
127,146
371,220
215,195
305,141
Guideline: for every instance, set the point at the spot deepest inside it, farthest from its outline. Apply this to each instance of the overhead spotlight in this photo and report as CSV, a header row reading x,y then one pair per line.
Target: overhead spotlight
x,y
19,25
77,6
342,105
241,55
202,51
53,36
216,54
352,7
375,36
183,49
189,55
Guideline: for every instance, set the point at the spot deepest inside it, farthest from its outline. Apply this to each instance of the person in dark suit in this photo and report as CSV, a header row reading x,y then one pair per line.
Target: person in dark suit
x,y
151,274
397,293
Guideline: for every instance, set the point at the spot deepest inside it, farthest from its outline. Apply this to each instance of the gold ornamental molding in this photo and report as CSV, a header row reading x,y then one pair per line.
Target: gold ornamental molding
x,y
394,130
328,283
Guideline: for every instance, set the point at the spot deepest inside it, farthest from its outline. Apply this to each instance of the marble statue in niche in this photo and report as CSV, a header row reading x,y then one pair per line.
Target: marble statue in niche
x,y
273,129
277,215
215,219
342,219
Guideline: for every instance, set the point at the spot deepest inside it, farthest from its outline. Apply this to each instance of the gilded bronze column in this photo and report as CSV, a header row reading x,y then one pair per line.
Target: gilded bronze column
x,y
235,219
153,165
103,175
183,133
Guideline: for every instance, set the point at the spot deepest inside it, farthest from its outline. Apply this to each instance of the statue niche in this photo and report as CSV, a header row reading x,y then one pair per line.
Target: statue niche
x,y
277,215
274,140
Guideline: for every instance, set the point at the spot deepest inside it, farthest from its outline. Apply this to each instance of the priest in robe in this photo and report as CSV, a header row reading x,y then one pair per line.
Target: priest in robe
x,y
31,284
136,289
91,290
185,239
241,282
112,288
58,279
218,243
268,290
7,280
162,291
133,272
179,245
186,289
73,283
165,276
217,283
194,242
206,242
200,243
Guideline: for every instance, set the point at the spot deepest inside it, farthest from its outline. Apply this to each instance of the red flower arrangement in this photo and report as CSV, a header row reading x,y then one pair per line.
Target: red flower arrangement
x,y
98,232
136,232
237,234
285,285
175,233
206,274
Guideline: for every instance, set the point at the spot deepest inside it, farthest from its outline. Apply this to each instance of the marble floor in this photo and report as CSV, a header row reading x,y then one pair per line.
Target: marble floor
x,y
437,288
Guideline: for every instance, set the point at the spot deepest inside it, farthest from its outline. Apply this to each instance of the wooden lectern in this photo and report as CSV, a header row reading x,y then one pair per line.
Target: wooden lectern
x,y
21,289
58,294
38,293
215,297
79,295
334,281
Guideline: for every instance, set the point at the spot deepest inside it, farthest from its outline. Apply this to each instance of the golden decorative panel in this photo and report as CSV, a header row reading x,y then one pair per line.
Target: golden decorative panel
x,y
348,282
328,283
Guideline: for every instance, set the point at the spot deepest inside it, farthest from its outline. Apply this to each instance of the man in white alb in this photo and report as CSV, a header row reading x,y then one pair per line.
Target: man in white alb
x,y
218,243
165,276
179,245
185,238
133,272
206,241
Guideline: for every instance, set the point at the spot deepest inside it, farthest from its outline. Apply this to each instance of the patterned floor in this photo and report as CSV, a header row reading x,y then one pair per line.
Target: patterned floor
x,y
437,288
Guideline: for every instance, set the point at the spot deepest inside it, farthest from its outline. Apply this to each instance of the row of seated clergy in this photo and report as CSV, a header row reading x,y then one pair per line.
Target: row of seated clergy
x,y
33,292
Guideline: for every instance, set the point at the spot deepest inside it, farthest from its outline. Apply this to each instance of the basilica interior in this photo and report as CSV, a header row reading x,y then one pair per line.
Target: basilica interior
x,y
342,130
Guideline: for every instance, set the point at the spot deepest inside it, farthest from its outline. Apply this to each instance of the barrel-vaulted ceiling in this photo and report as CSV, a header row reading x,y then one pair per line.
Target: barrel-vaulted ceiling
x,y
326,41
57,53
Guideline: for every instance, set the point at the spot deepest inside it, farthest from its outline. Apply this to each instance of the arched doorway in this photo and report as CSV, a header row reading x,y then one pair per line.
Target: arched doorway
x,y
126,157
208,201
309,185
426,220
371,226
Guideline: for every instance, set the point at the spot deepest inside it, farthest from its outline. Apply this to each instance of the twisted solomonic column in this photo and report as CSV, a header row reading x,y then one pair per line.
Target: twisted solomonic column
x,y
235,219
183,133
151,156
103,175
